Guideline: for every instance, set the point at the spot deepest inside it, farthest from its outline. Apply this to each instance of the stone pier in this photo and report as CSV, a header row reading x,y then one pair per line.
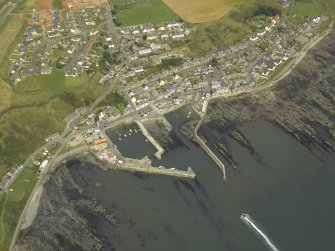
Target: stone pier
x,y
159,148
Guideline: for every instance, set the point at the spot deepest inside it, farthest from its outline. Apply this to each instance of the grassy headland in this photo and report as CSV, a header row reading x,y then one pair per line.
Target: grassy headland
x,y
231,28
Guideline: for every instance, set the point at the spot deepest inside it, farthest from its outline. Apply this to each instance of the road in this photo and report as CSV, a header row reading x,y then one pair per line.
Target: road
x,y
112,30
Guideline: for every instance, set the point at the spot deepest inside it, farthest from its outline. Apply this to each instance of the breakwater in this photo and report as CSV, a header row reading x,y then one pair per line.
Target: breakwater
x,y
159,148
209,152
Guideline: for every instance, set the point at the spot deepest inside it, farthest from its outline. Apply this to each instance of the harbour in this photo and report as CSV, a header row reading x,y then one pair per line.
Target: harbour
x,y
169,206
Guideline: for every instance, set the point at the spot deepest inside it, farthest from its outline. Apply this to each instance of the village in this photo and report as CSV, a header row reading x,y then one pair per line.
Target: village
x,y
156,76
246,64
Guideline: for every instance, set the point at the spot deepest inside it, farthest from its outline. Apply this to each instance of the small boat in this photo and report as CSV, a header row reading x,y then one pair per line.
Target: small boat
x,y
130,130
120,139
129,134
244,216
125,135
135,131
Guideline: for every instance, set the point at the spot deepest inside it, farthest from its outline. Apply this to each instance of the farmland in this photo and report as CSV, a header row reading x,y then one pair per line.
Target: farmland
x,y
199,11
154,11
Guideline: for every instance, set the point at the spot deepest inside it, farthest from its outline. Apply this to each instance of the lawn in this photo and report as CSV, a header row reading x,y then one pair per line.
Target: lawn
x,y
22,188
154,12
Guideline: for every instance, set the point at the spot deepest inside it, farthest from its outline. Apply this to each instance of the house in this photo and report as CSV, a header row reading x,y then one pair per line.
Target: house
x,y
272,67
162,28
178,35
138,69
144,51
155,47
253,38
269,26
316,20
129,74
261,33
278,62
265,72
165,35
148,29
152,36
175,76
90,23
275,19
161,82
44,164
173,24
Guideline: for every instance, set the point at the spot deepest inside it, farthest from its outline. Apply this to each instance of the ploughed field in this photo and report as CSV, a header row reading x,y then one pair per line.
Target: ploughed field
x,y
199,11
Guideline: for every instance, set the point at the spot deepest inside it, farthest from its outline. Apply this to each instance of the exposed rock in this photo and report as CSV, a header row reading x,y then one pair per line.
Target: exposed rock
x,y
302,104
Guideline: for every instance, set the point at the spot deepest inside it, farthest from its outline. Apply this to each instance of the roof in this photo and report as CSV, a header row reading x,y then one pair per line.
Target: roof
x,y
100,141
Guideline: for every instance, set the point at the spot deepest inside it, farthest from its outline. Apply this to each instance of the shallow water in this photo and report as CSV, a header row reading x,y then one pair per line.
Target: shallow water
x,y
286,190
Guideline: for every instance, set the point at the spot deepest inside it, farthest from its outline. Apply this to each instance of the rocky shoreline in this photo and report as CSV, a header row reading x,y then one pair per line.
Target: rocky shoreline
x,y
65,216
302,105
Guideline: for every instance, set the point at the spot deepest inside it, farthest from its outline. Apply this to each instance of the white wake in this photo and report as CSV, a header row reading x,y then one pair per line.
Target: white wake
x,y
247,219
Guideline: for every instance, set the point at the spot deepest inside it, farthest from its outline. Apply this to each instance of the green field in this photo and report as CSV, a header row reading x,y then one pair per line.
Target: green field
x,y
306,9
155,11
12,206
326,6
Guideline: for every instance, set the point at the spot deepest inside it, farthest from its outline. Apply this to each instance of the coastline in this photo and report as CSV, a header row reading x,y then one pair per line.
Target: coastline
x,y
272,83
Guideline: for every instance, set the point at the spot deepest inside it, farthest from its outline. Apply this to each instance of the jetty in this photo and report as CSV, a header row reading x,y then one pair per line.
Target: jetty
x,y
159,148
209,152
141,166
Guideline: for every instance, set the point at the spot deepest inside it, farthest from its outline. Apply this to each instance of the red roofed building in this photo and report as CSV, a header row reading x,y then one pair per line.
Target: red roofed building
x,y
100,144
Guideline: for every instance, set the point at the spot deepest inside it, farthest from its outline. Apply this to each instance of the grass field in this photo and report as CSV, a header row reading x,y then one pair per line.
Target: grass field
x,y
155,11
14,204
327,7
199,11
306,9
